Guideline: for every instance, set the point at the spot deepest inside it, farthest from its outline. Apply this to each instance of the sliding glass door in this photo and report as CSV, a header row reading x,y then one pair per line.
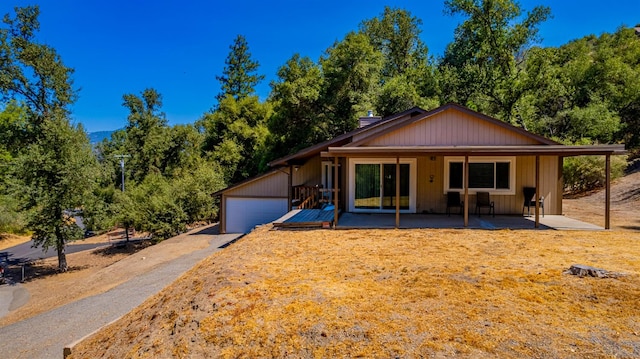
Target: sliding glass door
x,y
389,186
374,186
367,194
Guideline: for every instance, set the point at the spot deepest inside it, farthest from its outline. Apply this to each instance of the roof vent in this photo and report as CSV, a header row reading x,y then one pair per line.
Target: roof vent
x,y
366,121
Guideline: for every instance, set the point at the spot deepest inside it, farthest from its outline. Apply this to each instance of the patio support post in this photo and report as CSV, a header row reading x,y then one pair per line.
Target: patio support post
x,y
290,192
466,190
397,192
607,203
223,214
537,191
335,193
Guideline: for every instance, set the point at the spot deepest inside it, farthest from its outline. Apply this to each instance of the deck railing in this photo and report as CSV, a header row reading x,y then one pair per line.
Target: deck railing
x,y
306,197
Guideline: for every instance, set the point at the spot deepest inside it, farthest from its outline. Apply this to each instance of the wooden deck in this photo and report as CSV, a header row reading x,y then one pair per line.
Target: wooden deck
x,y
306,218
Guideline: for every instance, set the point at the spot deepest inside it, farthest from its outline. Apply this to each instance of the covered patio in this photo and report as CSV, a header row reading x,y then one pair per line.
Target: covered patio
x,y
407,220
388,220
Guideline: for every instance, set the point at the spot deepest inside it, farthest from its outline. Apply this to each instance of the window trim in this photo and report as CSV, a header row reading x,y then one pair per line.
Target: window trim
x,y
512,174
327,178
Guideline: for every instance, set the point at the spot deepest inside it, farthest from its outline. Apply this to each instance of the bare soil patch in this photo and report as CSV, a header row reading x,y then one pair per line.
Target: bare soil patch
x,y
393,293
96,271
10,240
625,204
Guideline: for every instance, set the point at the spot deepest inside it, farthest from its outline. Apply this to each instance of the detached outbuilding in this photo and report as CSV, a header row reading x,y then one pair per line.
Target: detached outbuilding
x,y
409,163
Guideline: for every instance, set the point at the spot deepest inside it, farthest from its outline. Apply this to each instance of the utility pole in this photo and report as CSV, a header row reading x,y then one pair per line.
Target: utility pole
x,y
122,157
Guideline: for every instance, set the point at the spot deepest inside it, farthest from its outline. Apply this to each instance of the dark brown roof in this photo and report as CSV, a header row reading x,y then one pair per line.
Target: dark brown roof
x,y
341,140
338,144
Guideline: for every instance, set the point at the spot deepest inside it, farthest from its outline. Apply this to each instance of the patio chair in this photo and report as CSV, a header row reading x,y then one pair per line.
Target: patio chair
x,y
483,200
453,200
529,201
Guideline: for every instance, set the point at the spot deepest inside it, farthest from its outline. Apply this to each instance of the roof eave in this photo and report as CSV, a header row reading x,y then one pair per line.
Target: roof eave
x,y
343,139
521,150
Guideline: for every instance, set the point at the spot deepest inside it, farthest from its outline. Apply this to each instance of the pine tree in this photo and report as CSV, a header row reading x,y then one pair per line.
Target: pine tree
x,y
239,76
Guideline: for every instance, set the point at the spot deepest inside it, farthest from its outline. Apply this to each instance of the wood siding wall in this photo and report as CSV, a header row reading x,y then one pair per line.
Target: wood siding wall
x,y
550,181
431,198
451,128
430,194
359,136
309,174
274,185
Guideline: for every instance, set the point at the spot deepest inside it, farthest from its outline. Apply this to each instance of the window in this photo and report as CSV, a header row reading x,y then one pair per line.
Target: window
x,y
495,174
455,175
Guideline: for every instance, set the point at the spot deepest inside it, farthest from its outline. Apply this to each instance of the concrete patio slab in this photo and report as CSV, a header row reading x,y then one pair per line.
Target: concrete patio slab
x,y
388,220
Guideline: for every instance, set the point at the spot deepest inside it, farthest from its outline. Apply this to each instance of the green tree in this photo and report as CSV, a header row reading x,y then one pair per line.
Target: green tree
x,y
183,153
30,72
12,130
586,89
480,67
54,167
235,135
399,94
351,70
298,120
239,76
194,192
150,206
57,173
407,77
146,134
396,34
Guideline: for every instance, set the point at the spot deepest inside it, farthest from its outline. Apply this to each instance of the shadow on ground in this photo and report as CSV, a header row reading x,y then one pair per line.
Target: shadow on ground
x,y
29,271
123,247
213,230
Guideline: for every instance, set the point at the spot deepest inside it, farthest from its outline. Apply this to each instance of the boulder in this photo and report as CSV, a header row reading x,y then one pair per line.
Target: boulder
x,y
582,270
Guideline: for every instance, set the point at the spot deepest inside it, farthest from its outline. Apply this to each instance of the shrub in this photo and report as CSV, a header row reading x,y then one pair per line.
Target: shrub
x,y
588,172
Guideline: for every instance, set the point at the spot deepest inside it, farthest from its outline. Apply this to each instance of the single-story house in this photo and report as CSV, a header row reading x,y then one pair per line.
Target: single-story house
x,y
432,153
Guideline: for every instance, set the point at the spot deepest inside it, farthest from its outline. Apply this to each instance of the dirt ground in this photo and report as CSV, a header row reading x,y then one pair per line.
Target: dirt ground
x,y
401,293
625,201
95,271
393,293
10,240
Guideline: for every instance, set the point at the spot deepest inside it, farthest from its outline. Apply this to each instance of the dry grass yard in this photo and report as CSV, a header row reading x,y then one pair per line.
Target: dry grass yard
x,y
10,240
393,293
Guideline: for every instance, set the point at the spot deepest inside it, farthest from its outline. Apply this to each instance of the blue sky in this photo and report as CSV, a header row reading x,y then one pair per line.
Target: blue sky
x,y
178,47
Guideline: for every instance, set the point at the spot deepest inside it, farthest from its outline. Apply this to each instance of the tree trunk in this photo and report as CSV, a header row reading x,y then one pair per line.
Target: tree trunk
x,y
62,257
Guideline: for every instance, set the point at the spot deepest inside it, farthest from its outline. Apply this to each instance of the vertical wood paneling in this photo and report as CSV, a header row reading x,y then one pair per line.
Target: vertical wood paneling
x,y
309,174
451,128
548,184
432,200
559,185
381,128
430,197
273,185
343,188
549,175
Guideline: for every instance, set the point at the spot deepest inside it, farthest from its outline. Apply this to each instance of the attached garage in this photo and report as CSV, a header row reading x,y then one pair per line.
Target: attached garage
x,y
245,213
256,201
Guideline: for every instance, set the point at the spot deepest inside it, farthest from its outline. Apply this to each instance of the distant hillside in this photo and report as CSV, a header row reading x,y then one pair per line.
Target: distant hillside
x,y
97,137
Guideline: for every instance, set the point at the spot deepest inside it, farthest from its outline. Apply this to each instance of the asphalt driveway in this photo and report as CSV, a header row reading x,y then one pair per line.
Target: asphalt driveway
x,y
45,335
26,252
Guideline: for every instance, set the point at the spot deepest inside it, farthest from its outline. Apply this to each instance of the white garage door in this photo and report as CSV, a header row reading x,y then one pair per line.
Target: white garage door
x,y
245,213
